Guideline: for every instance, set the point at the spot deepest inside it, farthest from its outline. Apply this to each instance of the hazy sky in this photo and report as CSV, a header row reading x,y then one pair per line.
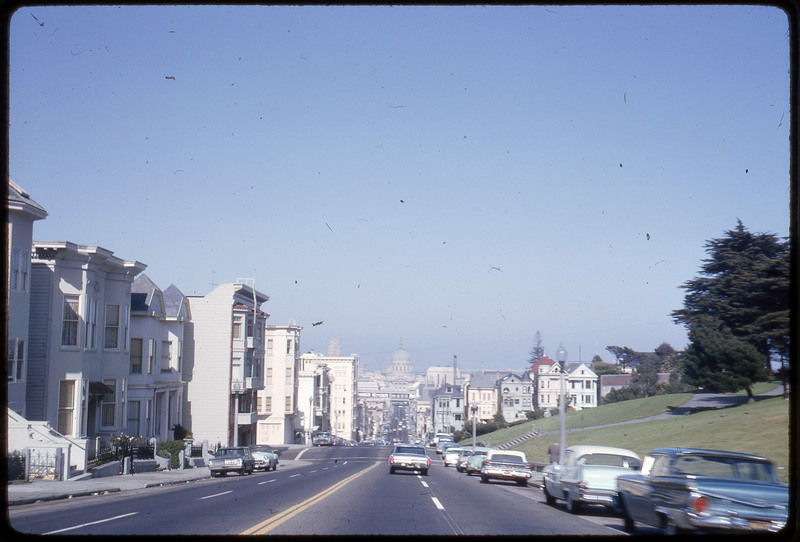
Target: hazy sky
x,y
455,178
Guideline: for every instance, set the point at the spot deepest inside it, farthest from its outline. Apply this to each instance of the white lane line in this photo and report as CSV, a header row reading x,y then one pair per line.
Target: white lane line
x,y
295,475
424,484
215,495
309,472
437,503
267,482
92,523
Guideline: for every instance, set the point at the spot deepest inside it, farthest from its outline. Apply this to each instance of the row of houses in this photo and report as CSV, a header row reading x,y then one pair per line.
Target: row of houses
x,y
96,349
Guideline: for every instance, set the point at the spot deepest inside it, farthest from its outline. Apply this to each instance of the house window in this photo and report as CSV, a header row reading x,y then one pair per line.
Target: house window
x,y
108,406
16,360
66,407
69,325
269,347
237,327
112,326
166,355
288,375
91,325
136,358
151,355
19,270
258,403
267,403
288,346
288,403
179,367
268,379
132,427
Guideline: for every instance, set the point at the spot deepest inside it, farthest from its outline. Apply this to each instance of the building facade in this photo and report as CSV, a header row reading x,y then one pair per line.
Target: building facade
x,y
481,393
580,383
447,409
155,393
515,394
79,352
278,405
23,211
343,377
224,364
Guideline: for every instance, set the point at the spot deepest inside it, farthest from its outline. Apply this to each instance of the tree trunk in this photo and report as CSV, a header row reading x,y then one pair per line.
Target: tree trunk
x,y
750,397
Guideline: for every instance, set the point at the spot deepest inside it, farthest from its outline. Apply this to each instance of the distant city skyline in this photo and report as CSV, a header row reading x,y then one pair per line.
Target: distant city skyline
x,y
453,177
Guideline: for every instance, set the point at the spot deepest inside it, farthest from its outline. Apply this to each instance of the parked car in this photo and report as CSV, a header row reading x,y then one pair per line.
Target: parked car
x,y
588,475
450,455
234,459
711,491
463,458
409,457
475,462
506,465
266,458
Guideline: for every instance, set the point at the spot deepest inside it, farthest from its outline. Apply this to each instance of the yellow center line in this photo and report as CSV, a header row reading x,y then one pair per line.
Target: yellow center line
x,y
267,525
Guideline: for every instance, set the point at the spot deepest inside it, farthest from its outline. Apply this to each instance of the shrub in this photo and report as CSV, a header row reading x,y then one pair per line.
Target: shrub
x,y
16,466
172,449
180,432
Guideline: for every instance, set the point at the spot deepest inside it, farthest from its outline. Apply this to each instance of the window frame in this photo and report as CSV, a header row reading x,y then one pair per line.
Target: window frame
x,y
109,327
70,336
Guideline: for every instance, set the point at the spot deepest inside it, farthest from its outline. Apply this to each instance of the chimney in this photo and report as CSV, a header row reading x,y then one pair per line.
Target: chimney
x,y
455,369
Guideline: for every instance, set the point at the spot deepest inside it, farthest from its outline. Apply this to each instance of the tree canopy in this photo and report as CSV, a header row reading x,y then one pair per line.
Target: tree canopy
x,y
740,299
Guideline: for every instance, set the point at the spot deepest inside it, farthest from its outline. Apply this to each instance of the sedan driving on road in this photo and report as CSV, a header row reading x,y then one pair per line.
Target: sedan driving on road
x,y
236,459
265,457
409,457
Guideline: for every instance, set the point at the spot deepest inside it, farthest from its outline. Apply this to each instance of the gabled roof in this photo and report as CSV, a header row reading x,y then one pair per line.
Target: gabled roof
x,y
173,299
20,200
145,295
482,379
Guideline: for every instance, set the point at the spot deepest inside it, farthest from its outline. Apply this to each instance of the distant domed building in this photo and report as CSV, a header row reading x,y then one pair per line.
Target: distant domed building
x,y
400,365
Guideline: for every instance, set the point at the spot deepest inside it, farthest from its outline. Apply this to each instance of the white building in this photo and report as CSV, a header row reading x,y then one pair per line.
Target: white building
x,y
580,384
516,396
278,401
481,393
79,352
224,363
313,398
342,373
155,391
22,213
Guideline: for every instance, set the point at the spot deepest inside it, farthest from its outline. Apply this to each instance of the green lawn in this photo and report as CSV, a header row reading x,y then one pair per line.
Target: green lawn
x,y
761,428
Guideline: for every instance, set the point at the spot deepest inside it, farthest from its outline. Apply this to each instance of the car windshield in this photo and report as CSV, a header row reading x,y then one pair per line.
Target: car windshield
x,y
610,460
260,449
409,450
726,467
227,452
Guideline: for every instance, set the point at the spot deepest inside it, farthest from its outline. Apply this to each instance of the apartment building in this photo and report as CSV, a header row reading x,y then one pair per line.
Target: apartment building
x,y
447,411
580,383
313,398
516,396
155,391
278,401
79,345
23,211
481,393
223,364
342,375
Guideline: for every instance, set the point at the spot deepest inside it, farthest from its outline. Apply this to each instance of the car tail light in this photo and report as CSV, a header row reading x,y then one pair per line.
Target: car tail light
x,y
581,484
700,504
391,459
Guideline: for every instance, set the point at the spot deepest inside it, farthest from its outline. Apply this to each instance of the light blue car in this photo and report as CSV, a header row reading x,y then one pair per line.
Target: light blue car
x,y
588,476
266,458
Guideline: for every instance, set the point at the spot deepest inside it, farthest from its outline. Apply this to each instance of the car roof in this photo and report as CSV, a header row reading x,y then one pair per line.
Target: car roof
x,y
674,451
584,449
510,452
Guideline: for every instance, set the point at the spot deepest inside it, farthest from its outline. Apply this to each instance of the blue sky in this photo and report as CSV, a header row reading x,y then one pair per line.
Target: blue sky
x,y
455,178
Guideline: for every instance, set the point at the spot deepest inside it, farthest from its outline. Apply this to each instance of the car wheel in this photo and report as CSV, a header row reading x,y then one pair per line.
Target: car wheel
x,y
629,525
484,479
522,482
548,498
391,470
424,472
668,526
572,505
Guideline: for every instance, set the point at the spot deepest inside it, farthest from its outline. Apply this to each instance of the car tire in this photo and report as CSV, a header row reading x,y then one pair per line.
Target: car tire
x,y
391,470
548,498
668,526
522,482
572,505
424,472
629,524
484,479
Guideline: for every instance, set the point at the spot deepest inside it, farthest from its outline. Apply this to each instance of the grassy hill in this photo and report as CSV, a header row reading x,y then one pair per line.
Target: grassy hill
x,y
761,428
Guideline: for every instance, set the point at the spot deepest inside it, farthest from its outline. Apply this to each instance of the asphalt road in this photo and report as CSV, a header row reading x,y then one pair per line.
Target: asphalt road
x,y
341,491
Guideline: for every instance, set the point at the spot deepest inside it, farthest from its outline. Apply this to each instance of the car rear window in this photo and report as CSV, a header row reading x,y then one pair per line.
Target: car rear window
x,y
409,450
507,458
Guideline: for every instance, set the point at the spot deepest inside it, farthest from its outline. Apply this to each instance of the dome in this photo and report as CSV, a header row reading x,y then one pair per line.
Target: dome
x,y
401,361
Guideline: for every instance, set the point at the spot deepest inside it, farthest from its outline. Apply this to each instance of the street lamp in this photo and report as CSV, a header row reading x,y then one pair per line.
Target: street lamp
x,y
474,409
562,442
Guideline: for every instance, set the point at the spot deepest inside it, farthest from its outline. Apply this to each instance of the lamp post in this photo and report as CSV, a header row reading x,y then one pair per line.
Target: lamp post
x,y
474,409
562,441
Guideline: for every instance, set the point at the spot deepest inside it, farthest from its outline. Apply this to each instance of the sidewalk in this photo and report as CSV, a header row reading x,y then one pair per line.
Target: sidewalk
x,y
46,490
